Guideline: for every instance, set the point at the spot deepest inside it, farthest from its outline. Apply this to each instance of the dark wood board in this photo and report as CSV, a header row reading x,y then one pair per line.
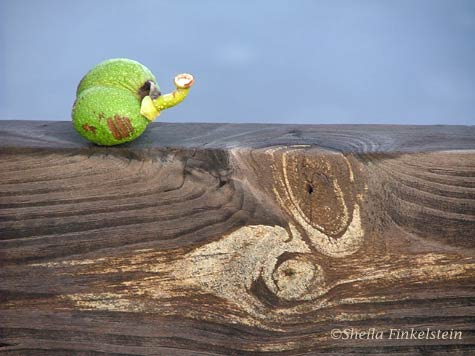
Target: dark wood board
x,y
238,239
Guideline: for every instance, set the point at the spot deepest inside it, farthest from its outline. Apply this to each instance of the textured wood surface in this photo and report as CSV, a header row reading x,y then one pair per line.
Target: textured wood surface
x,y
220,239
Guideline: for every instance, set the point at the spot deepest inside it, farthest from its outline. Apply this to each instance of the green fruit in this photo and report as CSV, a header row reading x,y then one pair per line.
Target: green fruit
x,y
119,73
118,98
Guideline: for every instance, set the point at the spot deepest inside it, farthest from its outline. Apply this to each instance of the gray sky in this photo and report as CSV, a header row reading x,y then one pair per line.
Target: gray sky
x,y
335,61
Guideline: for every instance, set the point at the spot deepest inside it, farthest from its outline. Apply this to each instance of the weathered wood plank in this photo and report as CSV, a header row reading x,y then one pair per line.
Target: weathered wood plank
x,y
221,239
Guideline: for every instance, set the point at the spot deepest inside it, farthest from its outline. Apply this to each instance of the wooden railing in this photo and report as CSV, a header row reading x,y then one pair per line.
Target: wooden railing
x,y
222,239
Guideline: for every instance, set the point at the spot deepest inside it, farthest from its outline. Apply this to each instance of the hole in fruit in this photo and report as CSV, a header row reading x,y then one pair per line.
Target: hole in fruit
x,y
149,88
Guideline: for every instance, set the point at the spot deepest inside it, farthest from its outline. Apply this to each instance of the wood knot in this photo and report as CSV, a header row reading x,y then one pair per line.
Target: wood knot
x,y
294,278
229,267
318,191
319,186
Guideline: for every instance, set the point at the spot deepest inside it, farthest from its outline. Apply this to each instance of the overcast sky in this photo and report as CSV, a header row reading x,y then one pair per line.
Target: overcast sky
x,y
371,61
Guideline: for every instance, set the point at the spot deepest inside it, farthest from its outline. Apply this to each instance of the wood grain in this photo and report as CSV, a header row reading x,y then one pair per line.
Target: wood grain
x,y
222,239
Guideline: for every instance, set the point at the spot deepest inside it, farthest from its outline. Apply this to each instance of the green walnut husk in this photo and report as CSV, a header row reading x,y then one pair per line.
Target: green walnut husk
x,y
118,98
